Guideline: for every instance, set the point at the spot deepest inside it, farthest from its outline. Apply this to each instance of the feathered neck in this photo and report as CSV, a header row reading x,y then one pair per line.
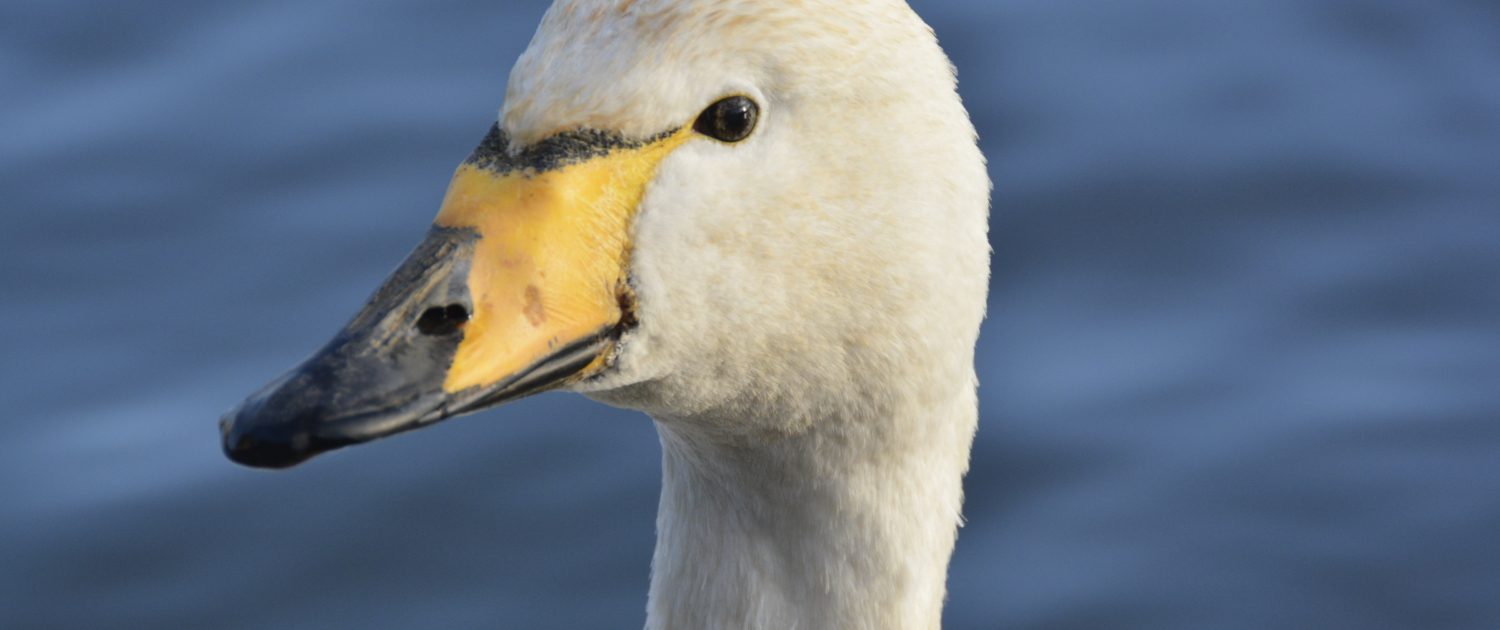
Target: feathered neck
x,y
847,525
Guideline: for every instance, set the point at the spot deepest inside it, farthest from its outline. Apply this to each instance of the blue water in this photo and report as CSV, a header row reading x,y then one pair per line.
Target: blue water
x,y
1242,368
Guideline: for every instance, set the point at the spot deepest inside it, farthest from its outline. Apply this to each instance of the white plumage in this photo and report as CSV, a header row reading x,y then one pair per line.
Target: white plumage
x,y
808,299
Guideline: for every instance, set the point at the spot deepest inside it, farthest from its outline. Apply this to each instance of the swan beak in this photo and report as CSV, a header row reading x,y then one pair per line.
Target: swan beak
x,y
520,287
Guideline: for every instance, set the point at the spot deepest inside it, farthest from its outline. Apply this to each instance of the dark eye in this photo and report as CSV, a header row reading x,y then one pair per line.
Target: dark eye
x,y
729,120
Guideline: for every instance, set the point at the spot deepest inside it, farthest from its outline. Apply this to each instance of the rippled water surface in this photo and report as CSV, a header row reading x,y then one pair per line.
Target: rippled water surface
x,y
1242,368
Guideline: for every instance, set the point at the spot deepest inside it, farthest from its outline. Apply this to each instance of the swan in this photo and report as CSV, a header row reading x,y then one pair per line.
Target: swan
x,y
762,223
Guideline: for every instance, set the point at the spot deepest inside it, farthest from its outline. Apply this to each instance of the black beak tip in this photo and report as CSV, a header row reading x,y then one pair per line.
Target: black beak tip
x,y
260,447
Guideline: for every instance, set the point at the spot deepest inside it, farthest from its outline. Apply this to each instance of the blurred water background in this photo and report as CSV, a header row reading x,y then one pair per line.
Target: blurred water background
x,y
1242,367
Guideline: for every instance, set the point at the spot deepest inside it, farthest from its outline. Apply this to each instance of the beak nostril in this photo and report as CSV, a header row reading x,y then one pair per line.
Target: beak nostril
x,y
441,321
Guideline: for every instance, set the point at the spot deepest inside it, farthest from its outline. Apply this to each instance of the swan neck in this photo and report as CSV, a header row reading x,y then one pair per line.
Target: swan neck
x,y
849,525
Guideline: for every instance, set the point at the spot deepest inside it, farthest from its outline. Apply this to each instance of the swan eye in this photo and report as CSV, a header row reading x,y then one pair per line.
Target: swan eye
x,y
730,120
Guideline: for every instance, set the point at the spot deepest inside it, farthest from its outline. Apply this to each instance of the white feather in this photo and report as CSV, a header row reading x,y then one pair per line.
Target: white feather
x,y
808,299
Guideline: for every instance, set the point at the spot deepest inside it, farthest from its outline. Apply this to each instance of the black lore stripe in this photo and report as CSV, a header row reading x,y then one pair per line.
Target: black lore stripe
x,y
495,153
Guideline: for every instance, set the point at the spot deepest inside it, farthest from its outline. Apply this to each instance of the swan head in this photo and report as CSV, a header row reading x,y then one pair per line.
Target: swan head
x,y
731,215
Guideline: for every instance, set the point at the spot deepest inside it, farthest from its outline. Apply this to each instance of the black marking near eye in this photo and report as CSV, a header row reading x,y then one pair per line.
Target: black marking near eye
x,y
494,152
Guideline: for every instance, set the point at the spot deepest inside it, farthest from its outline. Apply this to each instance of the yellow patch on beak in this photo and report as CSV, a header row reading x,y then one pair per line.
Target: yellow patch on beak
x,y
550,263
